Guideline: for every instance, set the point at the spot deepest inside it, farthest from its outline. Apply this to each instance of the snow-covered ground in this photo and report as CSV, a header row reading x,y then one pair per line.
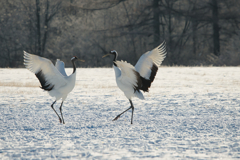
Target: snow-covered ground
x,y
189,113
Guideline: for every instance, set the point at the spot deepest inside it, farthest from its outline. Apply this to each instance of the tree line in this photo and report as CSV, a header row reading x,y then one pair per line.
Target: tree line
x,y
197,32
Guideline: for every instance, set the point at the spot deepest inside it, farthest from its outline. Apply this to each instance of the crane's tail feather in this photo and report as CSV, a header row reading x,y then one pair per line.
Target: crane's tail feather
x,y
139,94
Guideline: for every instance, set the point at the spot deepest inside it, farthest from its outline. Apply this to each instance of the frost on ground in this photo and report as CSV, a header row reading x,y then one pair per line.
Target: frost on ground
x,y
189,113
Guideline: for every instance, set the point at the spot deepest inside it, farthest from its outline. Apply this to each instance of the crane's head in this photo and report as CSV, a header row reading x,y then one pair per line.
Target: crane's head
x,y
112,52
74,58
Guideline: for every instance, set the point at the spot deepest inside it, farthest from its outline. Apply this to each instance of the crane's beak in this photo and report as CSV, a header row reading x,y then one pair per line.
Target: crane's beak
x,y
81,60
105,55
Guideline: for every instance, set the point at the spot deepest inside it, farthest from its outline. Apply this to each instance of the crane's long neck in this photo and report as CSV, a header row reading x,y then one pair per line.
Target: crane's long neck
x,y
114,58
74,67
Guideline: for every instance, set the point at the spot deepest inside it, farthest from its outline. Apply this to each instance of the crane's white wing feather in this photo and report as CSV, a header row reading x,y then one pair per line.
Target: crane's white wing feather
x,y
117,71
61,67
147,60
129,80
51,75
128,75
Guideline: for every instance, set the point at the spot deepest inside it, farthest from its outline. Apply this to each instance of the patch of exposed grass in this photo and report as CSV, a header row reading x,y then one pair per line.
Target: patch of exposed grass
x,y
18,84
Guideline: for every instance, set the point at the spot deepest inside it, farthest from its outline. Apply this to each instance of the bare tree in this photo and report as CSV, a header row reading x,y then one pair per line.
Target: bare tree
x,y
197,31
216,28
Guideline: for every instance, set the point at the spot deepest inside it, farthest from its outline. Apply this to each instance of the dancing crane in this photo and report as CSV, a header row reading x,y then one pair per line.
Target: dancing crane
x,y
132,79
53,79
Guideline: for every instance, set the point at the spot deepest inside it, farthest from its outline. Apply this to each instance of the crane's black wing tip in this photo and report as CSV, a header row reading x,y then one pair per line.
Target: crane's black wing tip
x,y
45,85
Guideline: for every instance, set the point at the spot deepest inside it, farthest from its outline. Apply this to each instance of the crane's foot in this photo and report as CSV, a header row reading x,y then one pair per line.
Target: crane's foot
x,y
116,118
60,120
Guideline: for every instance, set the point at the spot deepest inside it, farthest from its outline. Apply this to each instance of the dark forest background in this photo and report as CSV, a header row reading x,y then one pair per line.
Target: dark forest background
x,y
197,32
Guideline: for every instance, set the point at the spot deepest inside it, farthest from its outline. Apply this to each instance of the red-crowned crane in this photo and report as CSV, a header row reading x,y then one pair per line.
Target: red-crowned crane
x,y
53,79
132,79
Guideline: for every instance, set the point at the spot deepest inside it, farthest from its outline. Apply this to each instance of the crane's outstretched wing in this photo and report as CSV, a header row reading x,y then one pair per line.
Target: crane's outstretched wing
x,y
61,67
47,74
129,77
147,65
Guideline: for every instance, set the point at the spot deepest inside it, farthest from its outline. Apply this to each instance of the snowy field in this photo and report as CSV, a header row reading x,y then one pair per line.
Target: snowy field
x,y
189,113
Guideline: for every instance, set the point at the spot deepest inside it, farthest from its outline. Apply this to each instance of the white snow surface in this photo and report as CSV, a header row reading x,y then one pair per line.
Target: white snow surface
x,y
189,113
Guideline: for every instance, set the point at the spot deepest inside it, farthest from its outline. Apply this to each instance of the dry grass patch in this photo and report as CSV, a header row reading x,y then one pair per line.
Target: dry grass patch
x,y
18,84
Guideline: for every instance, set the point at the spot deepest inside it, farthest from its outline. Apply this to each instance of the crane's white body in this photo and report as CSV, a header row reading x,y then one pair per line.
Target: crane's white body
x,y
52,78
126,79
132,79
63,91
127,75
54,75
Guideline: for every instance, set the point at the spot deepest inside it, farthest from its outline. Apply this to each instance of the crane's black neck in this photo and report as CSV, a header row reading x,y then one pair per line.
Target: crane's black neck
x,y
114,58
74,67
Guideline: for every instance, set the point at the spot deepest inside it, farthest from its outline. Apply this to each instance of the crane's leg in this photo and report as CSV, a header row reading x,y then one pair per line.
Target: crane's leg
x,y
61,112
56,112
132,110
131,107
